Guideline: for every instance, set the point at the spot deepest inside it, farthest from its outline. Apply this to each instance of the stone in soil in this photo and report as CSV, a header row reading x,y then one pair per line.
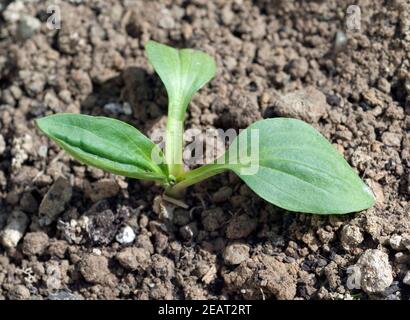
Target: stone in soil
x,y
340,42
17,223
55,200
27,26
263,277
350,236
372,272
13,11
189,232
307,104
395,242
126,235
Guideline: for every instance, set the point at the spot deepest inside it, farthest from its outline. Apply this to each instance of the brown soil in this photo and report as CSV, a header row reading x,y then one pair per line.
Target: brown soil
x,y
228,243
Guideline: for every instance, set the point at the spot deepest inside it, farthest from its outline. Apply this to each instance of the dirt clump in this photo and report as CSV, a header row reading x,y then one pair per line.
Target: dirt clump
x,y
263,276
235,253
55,200
35,243
94,269
307,104
134,259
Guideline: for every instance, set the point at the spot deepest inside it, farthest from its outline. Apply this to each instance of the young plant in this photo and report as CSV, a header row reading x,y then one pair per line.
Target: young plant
x,y
296,167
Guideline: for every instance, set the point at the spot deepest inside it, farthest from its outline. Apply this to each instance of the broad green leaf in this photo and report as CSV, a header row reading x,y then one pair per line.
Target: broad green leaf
x,y
299,170
183,73
105,143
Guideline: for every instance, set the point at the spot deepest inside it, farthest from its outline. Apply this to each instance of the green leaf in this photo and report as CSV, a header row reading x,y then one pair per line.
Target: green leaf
x,y
105,143
183,73
299,170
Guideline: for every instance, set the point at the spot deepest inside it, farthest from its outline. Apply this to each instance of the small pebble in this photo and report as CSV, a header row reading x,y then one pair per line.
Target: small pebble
x,y
55,200
308,104
372,272
127,109
350,236
27,26
97,251
340,41
14,230
126,235
42,151
12,12
189,232
395,242
113,107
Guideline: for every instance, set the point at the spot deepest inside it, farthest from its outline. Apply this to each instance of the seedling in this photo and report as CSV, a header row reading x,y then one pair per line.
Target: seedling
x,y
297,168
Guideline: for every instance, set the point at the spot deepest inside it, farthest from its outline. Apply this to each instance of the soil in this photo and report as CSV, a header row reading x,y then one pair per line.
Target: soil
x,y
74,232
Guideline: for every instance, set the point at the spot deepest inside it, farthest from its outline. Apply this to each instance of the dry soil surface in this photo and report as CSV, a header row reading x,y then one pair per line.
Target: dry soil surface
x,y
68,230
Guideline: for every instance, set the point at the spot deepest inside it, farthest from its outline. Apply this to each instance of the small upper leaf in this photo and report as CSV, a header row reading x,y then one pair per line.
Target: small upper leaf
x,y
183,73
105,143
299,170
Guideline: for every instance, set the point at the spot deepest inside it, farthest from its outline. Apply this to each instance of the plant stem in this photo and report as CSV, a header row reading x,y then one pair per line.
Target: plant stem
x,y
174,145
193,177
